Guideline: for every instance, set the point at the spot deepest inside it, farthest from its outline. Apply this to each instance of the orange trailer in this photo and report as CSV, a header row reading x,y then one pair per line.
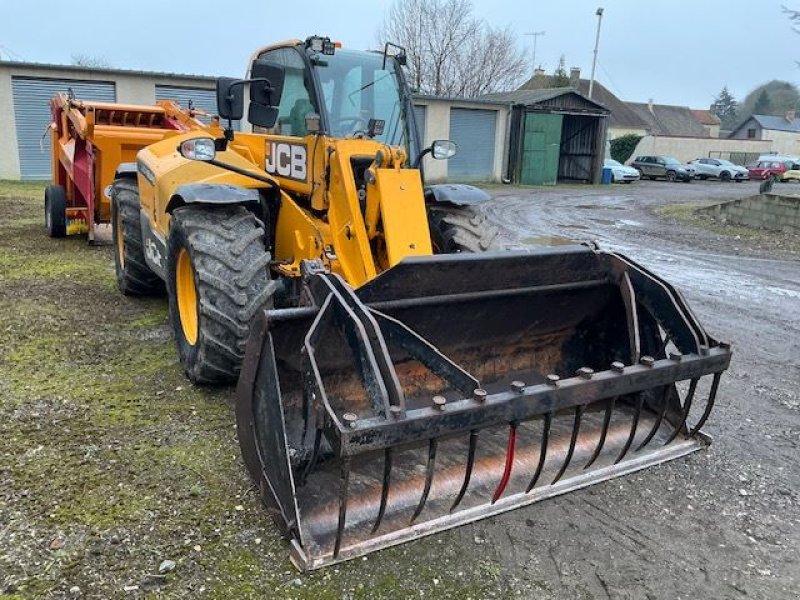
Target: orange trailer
x,y
89,142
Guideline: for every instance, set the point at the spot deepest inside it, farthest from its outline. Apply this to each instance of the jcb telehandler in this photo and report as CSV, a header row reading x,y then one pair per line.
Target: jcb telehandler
x,y
394,379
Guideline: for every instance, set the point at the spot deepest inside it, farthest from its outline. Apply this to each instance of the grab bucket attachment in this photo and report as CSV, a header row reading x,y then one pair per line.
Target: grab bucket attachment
x,y
455,387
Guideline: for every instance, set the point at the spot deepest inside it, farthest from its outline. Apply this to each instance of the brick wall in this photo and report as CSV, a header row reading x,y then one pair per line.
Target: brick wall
x,y
768,211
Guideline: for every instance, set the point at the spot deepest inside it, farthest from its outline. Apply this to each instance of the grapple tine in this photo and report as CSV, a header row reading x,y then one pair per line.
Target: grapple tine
x,y
712,396
387,473
428,479
634,424
576,426
343,485
603,432
687,405
473,443
656,425
512,441
548,419
314,455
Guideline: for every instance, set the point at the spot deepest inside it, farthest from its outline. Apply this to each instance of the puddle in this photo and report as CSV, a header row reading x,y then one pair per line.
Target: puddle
x,y
600,206
548,240
574,226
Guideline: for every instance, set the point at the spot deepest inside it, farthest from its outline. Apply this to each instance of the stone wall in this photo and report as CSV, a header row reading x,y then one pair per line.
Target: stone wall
x,y
689,148
767,211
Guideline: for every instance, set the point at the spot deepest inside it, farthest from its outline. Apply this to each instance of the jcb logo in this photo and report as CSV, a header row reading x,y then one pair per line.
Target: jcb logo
x,y
287,160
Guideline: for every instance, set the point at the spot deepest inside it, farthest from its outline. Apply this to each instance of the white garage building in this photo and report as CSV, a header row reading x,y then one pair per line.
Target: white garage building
x,y
479,128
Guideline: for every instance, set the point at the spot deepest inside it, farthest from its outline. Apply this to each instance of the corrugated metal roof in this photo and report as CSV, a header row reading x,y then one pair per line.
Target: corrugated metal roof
x,y
480,100
78,70
541,96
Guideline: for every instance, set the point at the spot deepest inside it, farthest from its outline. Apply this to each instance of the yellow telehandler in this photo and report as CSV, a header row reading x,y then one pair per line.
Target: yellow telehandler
x,y
396,377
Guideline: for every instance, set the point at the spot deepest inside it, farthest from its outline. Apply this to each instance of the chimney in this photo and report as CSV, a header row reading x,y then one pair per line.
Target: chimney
x,y
650,105
574,77
790,115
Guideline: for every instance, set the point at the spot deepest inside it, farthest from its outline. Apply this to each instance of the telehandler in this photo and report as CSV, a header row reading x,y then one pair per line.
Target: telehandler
x,y
396,377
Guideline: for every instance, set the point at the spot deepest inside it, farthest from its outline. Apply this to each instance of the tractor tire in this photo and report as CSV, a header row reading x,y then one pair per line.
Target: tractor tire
x,y
217,280
459,229
55,211
134,277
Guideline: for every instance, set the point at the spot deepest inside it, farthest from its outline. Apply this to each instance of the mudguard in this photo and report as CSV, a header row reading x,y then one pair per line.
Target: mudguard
x,y
456,194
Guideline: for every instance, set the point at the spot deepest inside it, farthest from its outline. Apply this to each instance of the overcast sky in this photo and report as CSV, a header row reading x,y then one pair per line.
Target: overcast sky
x,y
677,52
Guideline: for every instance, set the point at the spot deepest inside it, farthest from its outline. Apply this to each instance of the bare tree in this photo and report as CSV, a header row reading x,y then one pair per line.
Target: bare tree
x,y
450,52
90,62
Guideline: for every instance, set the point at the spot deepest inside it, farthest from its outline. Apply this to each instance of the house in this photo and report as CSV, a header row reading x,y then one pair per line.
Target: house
x,y
665,119
709,121
622,120
784,132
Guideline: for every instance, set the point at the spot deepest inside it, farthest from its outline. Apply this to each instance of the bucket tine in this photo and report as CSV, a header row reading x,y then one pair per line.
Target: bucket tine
x,y
473,442
548,419
575,429
387,471
656,425
343,485
314,454
428,479
687,405
712,396
603,432
634,424
512,441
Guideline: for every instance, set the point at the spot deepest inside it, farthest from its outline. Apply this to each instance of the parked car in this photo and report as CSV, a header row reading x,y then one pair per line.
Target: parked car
x,y
770,169
724,170
791,175
667,167
621,173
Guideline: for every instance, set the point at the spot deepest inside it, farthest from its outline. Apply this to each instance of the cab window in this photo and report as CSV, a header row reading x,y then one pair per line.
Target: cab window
x,y
296,101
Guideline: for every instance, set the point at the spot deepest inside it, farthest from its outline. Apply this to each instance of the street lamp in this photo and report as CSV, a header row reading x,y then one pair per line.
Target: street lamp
x,y
599,14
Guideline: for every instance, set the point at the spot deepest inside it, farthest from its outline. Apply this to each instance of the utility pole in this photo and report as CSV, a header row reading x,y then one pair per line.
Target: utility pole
x,y
599,14
535,35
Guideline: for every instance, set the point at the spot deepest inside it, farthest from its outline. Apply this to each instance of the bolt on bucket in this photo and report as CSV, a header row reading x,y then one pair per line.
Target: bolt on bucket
x,y
455,387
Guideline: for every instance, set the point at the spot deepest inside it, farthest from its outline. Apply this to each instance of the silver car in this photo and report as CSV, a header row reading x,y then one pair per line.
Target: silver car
x,y
718,168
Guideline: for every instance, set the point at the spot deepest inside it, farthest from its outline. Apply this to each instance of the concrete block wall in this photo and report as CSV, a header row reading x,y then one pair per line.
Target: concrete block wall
x,y
132,87
437,127
768,211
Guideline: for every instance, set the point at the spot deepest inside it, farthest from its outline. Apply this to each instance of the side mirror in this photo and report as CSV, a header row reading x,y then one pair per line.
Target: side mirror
x,y
443,149
266,89
230,98
200,148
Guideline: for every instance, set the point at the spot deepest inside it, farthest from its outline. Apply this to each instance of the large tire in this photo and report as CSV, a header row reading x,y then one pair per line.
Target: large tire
x,y
725,176
134,277
55,211
217,280
459,229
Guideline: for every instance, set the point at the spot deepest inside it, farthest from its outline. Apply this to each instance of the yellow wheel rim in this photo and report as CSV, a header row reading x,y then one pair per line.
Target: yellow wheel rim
x,y
186,296
120,239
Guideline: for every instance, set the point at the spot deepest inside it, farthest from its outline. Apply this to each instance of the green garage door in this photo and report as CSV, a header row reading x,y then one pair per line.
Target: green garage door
x,y
541,149
473,131
31,98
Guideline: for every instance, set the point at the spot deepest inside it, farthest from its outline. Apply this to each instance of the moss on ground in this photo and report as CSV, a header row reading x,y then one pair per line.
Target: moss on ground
x,y
110,461
690,214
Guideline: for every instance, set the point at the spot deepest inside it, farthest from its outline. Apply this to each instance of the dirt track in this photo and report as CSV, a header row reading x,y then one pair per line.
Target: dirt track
x,y
722,523
110,462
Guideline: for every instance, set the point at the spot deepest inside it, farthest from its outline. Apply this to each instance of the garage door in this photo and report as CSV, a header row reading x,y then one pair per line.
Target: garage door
x,y
32,116
473,131
419,117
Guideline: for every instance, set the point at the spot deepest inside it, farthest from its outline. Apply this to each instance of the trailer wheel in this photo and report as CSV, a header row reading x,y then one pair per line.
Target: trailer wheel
x,y
217,280
459,229
134,277
55,211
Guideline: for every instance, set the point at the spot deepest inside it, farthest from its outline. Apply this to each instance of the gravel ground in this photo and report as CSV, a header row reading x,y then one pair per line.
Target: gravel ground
x,y
111,464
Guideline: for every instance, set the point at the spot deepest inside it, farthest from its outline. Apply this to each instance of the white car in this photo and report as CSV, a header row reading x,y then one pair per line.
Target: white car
x,y
724,170
620,173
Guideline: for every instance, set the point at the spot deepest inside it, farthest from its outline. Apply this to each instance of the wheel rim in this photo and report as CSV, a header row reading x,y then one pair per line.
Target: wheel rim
x,y
186,293
120,239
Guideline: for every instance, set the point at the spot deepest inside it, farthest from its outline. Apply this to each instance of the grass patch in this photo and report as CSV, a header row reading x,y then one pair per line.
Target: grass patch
x,y
690,214
22,189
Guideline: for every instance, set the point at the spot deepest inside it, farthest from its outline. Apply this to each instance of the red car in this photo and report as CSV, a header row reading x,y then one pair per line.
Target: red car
x,y
766,169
